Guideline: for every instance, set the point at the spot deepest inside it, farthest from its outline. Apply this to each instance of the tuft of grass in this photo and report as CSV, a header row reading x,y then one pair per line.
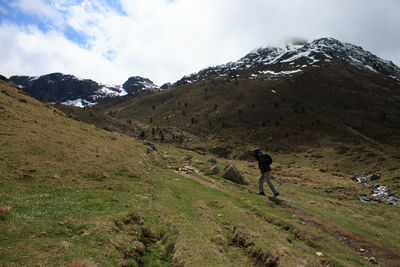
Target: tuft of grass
x,y
4,211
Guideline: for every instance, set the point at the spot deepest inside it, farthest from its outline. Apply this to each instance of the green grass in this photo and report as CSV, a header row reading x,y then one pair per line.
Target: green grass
x,y
77,192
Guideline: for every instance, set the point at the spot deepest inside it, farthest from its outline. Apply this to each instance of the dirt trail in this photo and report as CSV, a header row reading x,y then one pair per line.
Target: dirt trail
x,y
190,171
367,248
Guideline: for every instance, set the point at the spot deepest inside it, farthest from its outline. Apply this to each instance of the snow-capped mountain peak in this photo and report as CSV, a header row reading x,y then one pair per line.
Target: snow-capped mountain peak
x,y
293,58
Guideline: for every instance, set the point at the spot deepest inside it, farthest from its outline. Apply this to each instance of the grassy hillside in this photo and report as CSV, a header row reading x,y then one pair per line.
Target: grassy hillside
x,y
231,115
71,192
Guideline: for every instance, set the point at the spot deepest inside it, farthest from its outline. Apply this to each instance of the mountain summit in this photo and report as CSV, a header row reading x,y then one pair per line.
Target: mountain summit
x,y
272,62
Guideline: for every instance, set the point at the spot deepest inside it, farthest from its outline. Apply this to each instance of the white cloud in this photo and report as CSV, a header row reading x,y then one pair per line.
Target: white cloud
x,y
32,52
42,10
164,40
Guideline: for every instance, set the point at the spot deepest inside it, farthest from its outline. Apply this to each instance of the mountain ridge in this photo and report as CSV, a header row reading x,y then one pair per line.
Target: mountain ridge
x,y
295,57
260,63
70,90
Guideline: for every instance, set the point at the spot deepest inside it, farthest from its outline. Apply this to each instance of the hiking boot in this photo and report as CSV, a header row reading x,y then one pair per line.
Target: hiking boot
x,y
261,193
276,194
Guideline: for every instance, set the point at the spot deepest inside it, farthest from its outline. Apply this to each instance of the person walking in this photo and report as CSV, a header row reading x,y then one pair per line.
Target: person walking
x,y
264,162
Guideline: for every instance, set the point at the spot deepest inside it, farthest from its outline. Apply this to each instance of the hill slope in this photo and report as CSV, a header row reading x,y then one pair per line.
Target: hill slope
x,y
284,113
71,191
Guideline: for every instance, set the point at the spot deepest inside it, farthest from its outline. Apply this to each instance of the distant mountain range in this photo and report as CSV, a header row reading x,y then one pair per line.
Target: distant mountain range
x,y
263,63
70,90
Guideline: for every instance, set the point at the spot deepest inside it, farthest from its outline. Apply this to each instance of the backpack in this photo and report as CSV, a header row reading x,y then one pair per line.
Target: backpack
x,y
268,159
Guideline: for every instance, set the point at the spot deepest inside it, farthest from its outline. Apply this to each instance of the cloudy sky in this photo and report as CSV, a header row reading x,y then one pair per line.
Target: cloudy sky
x,y
111,40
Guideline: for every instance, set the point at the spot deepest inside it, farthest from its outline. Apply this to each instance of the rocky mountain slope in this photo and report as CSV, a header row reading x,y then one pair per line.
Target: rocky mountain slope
x,y
283,99
273,62
70,90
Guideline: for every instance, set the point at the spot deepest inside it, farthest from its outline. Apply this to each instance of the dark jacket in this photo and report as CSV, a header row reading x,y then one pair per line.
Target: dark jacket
x,y
264,161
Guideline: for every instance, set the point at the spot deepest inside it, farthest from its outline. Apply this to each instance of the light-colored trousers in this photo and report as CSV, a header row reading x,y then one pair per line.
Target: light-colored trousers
x,y
267,176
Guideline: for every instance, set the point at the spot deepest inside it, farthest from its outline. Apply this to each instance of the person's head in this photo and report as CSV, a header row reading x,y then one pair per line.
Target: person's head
x,y
256,151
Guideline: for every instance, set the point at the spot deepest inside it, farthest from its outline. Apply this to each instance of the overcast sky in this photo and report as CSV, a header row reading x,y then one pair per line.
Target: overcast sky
x,y
110,40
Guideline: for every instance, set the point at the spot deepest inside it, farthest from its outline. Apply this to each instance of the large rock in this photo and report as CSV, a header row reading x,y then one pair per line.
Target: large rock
x,y
232,174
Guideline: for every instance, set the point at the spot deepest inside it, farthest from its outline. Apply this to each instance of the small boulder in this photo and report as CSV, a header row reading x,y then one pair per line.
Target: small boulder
x,y
373,260
215,169
232,174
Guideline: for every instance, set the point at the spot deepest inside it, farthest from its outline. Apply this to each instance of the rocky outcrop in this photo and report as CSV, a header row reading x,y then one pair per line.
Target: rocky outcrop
x,y
137,84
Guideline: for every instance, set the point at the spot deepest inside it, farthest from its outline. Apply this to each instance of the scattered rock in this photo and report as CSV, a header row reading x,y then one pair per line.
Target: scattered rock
x,y
232,174
373,260
188,169
212,160
215,169
362,250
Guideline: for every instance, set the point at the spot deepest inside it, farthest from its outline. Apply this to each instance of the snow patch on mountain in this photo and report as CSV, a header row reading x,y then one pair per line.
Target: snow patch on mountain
x,y
287,61
70,90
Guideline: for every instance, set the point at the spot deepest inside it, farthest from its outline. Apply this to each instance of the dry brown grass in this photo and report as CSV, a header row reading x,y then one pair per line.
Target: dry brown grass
x,y
82,263
4,210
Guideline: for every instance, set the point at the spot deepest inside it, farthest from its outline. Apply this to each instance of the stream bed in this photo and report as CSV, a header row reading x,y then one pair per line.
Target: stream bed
x,y
378,191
